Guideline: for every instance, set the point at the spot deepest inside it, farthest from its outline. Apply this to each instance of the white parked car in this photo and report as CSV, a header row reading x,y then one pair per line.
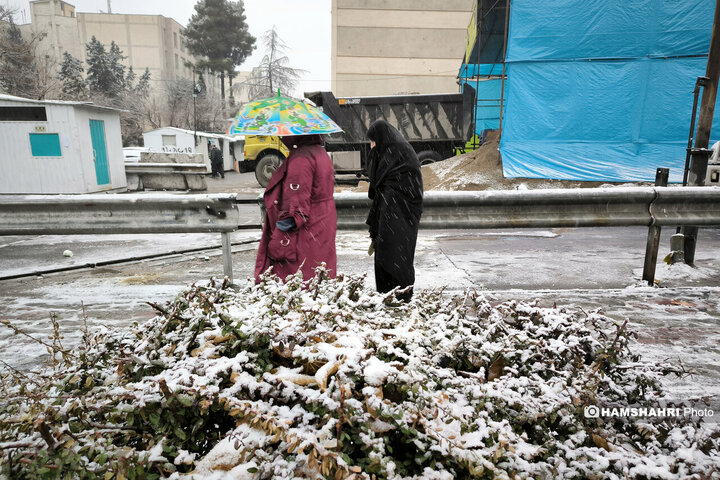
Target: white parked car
x,y
132,154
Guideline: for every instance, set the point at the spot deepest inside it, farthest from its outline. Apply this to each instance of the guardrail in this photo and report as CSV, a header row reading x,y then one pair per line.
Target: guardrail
x,y
126,213
552,208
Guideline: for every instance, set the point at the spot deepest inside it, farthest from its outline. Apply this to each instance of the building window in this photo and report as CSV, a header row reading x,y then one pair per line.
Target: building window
x,y
175,42
182,44
169,140
45,145
177,62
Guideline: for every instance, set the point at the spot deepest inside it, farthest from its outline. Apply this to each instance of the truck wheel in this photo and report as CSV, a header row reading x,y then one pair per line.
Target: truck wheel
x,y
266,167
427,157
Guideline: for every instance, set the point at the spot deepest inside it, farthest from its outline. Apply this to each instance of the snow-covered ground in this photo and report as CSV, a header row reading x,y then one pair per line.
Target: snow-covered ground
x,y
578,270
332,380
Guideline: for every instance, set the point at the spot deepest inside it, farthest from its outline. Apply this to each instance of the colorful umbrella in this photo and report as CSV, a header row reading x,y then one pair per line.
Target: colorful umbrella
x,y
281,116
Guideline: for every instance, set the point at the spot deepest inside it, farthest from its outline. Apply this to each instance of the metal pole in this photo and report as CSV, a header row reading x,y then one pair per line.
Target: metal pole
x,y
194,111
653,238
698,167
700,82
227,256
502,82
476,139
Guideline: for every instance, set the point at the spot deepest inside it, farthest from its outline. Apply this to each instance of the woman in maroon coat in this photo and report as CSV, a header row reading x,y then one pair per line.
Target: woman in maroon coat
x,y
300,222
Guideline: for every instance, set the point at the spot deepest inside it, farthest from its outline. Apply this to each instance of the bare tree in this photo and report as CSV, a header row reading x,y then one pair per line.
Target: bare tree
x,y
7,14
25,70
273,73
174,106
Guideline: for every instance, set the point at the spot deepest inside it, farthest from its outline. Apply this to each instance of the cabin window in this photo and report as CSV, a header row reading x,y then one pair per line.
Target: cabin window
x,y
45,145
23,114
169,140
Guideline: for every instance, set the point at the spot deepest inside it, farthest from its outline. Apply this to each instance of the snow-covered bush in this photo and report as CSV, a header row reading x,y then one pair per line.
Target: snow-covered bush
x,y
328,379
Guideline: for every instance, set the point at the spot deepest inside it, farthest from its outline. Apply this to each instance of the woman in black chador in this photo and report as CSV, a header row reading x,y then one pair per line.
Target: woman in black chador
x,y
396,190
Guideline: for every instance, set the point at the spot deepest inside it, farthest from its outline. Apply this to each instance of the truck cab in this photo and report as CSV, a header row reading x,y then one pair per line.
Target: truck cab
x,y
264,154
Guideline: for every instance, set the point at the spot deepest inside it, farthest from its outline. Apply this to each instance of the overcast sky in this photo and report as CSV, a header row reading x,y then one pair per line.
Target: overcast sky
x,y
303,25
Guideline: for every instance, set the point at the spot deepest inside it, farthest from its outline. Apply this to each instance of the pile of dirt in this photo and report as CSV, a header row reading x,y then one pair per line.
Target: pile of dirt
x,y
481,169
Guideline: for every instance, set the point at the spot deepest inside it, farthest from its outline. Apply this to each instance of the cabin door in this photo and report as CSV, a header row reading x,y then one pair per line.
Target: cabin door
x,y
97,134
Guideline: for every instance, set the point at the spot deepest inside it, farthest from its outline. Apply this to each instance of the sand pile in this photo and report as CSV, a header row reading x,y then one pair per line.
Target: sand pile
x,y
481,169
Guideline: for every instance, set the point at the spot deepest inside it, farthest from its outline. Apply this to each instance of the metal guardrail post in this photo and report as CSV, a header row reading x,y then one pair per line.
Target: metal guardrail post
x,y
653,238
227,256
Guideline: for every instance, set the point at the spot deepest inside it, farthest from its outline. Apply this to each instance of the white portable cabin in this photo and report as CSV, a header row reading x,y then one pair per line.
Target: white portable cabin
x,y
180,140
52,146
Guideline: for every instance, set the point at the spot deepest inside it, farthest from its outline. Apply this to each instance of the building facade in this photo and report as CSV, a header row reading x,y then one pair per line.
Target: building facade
x,y
148,41
403,46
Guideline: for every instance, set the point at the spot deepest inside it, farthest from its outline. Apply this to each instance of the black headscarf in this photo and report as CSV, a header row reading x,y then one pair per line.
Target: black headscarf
x,y
393,162
393,169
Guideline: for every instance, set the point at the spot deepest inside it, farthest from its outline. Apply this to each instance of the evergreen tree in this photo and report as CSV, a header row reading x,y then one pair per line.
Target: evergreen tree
x,y
218,32
130,79
116,66
105,73
143,86
71,75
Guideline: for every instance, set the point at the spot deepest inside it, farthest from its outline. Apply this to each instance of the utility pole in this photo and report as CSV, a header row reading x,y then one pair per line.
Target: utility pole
x,y
700,152
109,7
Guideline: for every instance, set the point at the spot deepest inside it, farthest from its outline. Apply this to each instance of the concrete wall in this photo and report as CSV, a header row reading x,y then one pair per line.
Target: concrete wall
x,y
168,181
74,170
185,142
403,46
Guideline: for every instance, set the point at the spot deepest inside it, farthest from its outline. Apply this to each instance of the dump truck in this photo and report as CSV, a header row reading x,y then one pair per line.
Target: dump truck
x,y
434,124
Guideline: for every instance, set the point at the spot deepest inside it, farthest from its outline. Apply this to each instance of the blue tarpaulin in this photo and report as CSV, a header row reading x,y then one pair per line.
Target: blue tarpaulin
x,y
602,91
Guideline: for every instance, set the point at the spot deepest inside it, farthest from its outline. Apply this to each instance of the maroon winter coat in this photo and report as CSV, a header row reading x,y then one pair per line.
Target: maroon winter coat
x,y
302,188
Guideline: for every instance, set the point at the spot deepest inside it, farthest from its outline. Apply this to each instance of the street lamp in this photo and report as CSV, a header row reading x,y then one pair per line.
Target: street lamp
x,y
197,88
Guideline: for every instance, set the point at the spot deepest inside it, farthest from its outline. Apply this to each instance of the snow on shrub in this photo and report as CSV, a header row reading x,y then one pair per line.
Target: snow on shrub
x,y
328,379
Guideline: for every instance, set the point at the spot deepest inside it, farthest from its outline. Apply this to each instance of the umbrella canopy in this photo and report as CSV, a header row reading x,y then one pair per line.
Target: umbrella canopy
x,y
281,116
